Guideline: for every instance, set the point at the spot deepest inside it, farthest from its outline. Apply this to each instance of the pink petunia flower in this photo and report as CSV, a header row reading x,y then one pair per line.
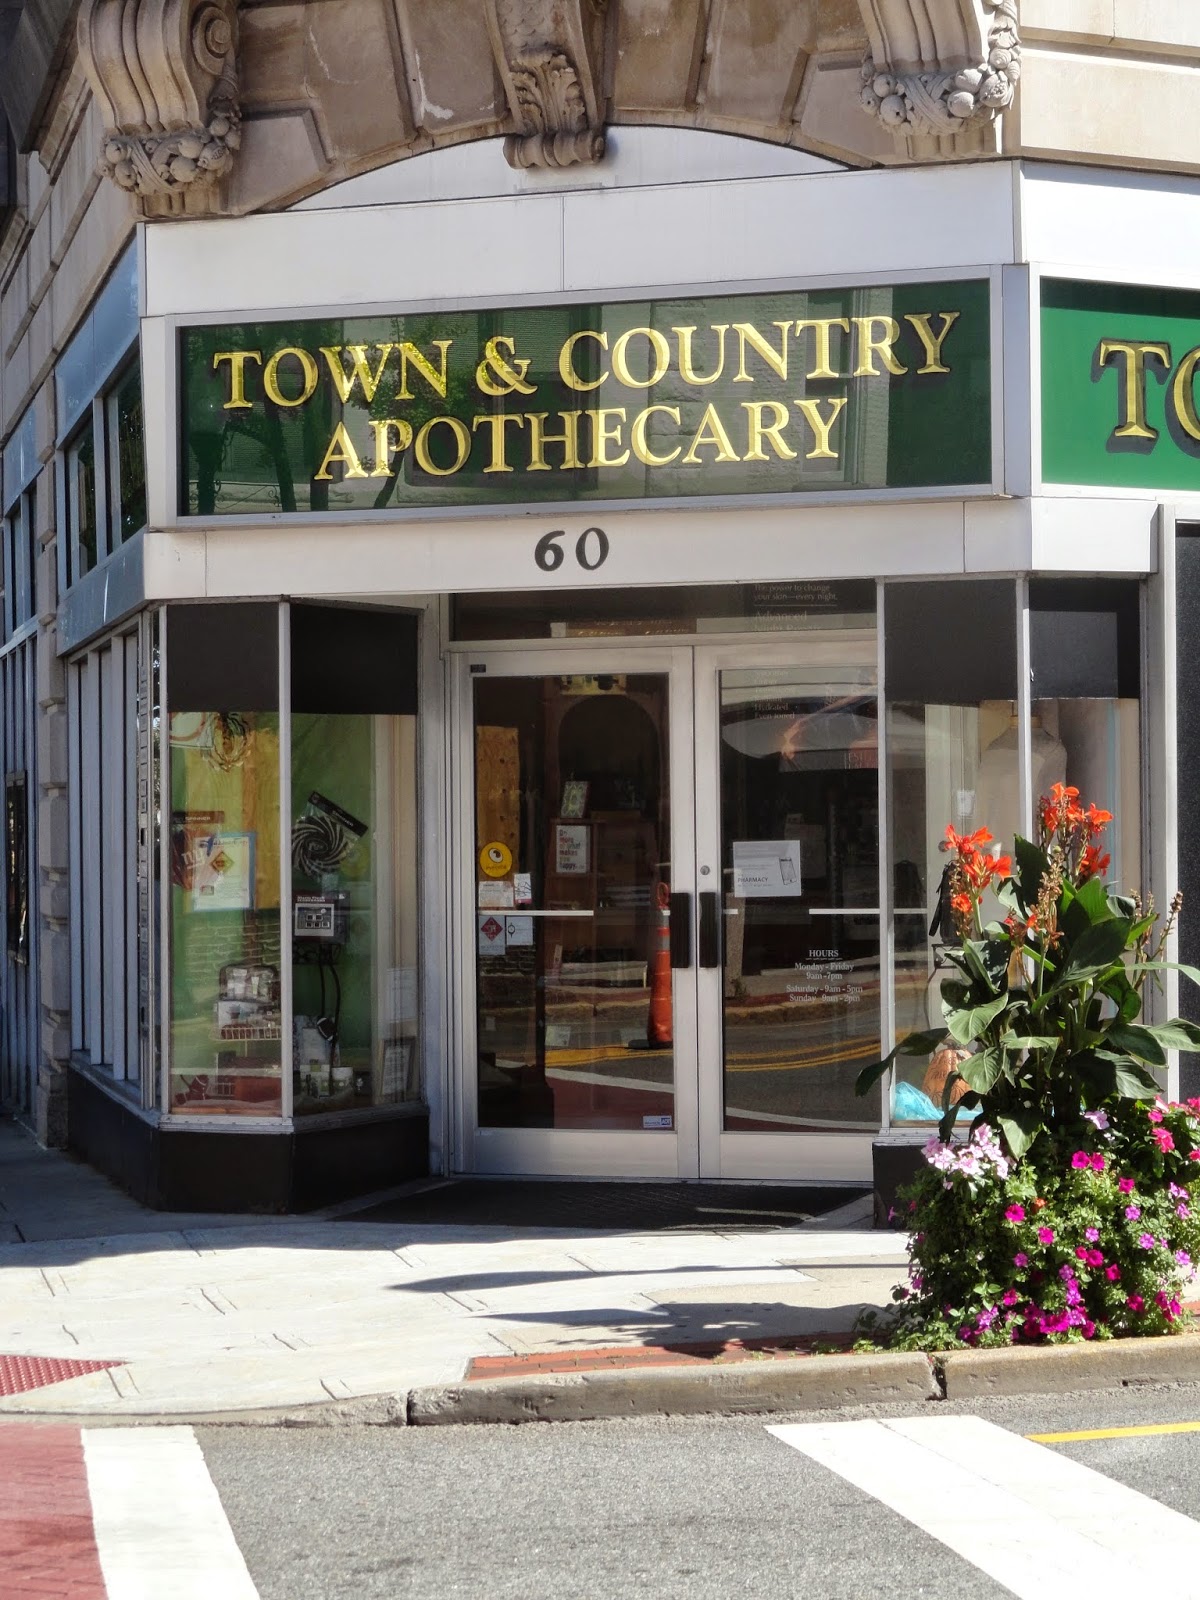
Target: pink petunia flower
x,y
1089,1329
1020,1259
1154,1115
1183,1258
1135,1302
1182,1211
1133,1212
1112,1273
1045,1235
1164,1139
1010,1297
1091,1234
1126,1185
1098,1162
1015,1214
1080,1160
1146,1240
1095,1258
1098,1119
1081,1250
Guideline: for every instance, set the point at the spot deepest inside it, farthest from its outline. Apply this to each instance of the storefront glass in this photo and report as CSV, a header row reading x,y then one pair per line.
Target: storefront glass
x,y
951,676
354,859
572,869
800,862
225,999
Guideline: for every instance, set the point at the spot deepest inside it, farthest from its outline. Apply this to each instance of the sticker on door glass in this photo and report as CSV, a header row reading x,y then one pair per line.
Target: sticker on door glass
x,y
766,869
518,931
662,1121
495,859
491,934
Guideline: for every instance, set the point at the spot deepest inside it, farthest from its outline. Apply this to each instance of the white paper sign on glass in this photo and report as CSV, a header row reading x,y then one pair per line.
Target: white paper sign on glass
x,y
571,849
766,869
518,931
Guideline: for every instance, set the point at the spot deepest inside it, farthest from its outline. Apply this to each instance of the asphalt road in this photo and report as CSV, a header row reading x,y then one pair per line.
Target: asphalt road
x,y
703,1509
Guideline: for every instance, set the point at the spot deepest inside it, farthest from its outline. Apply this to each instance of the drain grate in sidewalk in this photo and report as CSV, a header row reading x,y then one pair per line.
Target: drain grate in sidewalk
x,y
18,1374
625,1207
684,1354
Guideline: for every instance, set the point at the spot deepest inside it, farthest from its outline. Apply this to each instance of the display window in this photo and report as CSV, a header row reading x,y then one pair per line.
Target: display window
x,y
293,955
226,1008
954,756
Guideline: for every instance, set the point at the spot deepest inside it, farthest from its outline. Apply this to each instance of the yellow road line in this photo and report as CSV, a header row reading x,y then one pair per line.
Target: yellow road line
x,y
1146,1431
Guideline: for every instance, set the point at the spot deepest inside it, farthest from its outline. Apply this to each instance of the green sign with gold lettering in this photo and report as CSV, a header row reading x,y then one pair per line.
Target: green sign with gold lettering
x,y
826,390
1119,401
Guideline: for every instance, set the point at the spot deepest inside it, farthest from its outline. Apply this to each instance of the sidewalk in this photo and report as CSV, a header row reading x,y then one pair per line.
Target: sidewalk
x,y
120,1312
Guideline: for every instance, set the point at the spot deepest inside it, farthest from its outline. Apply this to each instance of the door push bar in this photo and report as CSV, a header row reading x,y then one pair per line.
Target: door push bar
x,y
681,929
710,929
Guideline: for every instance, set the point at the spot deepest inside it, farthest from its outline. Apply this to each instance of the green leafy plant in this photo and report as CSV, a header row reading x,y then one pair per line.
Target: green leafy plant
x,y
1066,1213
1048,1000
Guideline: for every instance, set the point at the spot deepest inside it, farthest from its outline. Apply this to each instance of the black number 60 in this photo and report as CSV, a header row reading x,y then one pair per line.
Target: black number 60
x,y
591,549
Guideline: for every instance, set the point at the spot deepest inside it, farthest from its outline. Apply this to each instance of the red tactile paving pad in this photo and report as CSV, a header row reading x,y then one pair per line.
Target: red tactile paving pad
x,y
20,1373
47,1546
684,1354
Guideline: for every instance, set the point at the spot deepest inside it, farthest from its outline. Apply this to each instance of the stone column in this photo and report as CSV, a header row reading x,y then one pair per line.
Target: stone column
x,y
52,893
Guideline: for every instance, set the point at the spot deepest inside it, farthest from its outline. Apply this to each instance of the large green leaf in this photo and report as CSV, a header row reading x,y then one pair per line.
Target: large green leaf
x,y
1088,905
1019,1127
916,1044
988,960
1031,868
980,1072
966,1026
1176,1034
1166,966
1107,1073
1138,1042
1097,948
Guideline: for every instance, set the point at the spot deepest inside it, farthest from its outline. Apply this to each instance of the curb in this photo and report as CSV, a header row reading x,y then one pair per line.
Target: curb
x,y
746,1388
801,1385
1060,1369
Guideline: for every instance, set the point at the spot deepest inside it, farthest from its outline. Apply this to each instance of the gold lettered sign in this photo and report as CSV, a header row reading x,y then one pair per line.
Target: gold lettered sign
x,y
853,388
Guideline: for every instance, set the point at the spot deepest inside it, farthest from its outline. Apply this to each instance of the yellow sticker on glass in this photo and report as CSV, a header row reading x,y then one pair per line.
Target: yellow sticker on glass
x,y
495,860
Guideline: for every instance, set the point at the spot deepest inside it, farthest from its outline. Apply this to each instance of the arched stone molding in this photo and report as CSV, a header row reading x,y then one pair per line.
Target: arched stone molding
x,y
164,73
939,68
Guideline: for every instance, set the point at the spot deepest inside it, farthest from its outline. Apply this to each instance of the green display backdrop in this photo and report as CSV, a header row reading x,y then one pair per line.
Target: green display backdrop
x,y
862,388
1118,385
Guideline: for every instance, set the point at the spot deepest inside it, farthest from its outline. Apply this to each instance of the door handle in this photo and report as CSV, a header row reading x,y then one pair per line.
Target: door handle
x,y
681,929
710,930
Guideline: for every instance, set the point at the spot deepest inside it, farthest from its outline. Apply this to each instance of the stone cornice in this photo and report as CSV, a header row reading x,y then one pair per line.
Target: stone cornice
x,y
937,66
164,73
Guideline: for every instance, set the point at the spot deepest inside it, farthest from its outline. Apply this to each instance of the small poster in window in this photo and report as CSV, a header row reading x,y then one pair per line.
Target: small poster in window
x,y
491,934
571,852
523,888
574,798
223,873
766,869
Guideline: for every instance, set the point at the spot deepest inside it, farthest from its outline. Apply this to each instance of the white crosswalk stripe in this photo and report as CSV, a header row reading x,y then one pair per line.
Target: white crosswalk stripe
x,y
1032,1519
161,1531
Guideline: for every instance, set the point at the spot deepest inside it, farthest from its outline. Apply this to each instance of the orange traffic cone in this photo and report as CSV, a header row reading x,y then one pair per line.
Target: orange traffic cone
x,y
658,1024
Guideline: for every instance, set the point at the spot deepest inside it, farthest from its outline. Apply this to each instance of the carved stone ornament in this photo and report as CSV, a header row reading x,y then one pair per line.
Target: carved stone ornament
x,y
164,73
547,52
943,102
553,112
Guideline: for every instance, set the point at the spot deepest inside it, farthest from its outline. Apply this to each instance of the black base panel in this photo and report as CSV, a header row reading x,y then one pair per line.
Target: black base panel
x,y
627,1207
895,1165
185,1169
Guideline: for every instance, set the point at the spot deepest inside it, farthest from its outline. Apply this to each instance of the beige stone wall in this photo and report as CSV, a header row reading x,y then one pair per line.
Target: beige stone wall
x,y
70,228
1115,82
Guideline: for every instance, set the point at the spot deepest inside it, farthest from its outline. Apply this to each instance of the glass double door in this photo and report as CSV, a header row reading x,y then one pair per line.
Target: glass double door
x,y
669,899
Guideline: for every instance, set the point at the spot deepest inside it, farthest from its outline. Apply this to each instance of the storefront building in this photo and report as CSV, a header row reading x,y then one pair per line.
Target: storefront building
x,y
493,649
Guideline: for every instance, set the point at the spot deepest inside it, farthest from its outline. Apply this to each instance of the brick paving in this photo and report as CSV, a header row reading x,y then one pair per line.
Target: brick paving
x,y
691,1353
21,1373
47,1546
